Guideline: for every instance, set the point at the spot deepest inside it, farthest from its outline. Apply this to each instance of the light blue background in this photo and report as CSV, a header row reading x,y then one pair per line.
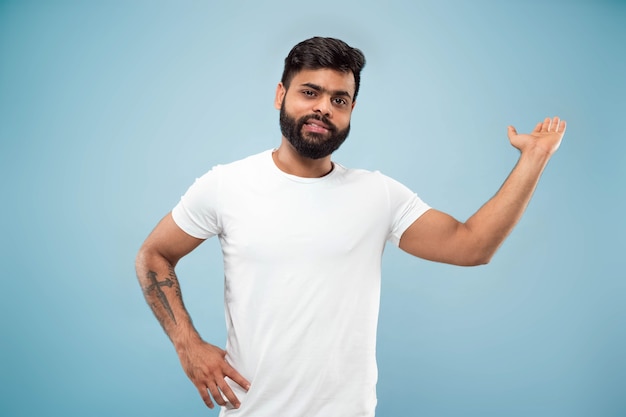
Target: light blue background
x,y
109,110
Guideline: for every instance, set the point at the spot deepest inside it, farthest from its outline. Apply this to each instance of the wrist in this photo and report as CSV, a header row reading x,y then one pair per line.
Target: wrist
x,y
183,339
536,154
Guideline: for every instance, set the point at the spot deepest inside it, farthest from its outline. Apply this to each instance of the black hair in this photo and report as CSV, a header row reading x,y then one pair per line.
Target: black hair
x,y
317,53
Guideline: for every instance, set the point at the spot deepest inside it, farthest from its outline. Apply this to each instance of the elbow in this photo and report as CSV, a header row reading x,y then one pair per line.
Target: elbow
x,y
481,251
150,257
482,261
141,260
475,262
145,259
480,257
144,254
475,249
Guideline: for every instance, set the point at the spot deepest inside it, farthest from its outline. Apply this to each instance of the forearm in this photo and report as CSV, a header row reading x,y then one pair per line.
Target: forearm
x,y
204,363
439,237
493,222
161,290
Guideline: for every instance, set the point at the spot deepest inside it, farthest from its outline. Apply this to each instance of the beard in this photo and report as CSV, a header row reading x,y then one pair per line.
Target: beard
x,y
311,145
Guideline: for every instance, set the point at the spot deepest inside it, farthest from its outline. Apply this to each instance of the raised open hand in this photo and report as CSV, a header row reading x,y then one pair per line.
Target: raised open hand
x,y
546,136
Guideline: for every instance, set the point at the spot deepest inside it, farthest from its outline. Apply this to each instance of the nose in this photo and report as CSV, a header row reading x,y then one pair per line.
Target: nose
x,y
323,107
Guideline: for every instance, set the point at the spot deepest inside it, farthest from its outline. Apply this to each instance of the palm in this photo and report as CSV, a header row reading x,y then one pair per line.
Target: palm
x,y
546,136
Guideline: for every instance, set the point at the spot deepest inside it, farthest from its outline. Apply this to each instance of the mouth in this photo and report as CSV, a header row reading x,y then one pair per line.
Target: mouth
x,y
316,126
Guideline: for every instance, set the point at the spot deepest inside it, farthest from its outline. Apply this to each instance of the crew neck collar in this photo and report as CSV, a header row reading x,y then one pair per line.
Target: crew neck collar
x,y
295,178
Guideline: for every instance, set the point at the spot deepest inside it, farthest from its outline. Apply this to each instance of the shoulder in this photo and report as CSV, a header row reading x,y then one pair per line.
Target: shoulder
x,y
377,185
242,167
359,175
250,162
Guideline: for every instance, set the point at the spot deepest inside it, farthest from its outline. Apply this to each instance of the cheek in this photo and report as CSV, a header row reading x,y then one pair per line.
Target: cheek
x,y
299,107
342,121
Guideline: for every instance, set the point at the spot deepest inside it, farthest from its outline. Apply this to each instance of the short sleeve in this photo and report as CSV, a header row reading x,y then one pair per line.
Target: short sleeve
x,y
405,206
197,212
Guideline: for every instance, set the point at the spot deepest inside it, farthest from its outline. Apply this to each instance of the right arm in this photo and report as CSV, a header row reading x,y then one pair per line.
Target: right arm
x,y
204,364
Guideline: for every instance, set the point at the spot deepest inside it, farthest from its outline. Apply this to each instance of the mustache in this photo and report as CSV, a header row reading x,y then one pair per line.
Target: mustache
x,y
304,119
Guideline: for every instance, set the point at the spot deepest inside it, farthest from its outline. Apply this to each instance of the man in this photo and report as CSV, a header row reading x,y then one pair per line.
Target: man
x,y
302,238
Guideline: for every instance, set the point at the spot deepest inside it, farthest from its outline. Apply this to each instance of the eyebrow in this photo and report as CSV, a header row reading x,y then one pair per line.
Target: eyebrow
x,y
323,90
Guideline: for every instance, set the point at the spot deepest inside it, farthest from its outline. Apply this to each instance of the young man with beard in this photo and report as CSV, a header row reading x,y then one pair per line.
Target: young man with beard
x,y
302,239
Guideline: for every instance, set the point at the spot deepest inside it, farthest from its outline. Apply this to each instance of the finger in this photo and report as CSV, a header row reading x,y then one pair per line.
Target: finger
x,y
511,132
232,373
205,397
217,394
229,394
554,125
537,128
562,126
545,127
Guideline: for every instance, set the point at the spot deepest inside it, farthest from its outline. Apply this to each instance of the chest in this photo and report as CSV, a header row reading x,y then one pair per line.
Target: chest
x,y
303,220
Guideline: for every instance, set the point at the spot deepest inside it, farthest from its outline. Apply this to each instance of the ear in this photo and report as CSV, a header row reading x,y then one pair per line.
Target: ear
x,y
353,104
280,96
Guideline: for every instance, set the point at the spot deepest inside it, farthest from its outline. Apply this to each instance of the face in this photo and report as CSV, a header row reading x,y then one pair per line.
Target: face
x,y
315,111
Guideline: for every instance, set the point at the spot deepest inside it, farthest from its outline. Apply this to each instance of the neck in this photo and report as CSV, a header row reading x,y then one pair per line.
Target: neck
x,y
288,160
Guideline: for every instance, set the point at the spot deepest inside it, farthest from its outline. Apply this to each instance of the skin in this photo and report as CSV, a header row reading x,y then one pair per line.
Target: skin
x,y
204,364
434,236
438,237
325,91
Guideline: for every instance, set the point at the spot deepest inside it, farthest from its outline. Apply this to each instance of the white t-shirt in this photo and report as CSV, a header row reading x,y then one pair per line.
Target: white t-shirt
x,y
302,263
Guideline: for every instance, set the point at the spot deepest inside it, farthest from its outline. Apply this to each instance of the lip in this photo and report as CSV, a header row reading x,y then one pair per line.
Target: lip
x,y
315,125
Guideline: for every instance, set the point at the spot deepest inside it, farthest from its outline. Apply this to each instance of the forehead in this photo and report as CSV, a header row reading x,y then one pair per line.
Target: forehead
x,y
328,79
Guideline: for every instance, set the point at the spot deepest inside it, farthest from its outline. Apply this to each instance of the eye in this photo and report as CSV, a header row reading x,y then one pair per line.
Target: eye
x,y
308,93
340,101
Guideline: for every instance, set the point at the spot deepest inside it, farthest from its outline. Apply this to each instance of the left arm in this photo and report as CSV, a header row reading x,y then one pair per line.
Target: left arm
x,y
439,237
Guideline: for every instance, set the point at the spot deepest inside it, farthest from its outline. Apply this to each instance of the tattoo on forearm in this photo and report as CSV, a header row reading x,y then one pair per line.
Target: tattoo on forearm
x,y
155,286
176,286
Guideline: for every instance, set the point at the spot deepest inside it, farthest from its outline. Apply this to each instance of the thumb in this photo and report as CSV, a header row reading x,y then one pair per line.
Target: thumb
x,y
511,132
